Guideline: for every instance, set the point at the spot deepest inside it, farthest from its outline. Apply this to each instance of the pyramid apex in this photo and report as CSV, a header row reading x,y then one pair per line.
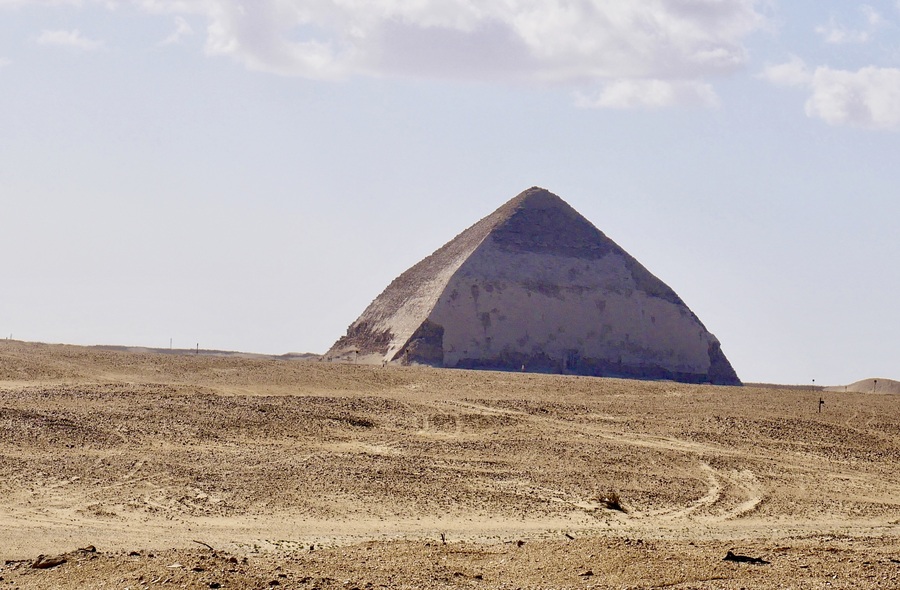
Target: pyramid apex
x,y
538,198
535,198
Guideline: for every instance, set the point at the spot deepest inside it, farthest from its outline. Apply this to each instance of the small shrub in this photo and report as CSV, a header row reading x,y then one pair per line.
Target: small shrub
x,y
612,501
358,421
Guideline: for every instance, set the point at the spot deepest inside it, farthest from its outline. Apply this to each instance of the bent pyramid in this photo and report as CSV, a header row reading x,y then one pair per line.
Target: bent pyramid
x,y
535,286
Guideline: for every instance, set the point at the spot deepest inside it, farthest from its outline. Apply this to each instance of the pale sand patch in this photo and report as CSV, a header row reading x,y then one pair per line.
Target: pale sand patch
x,y
888,386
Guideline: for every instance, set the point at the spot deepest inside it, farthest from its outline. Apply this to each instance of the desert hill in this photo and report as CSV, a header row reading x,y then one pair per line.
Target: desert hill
x,y
870,386
223,471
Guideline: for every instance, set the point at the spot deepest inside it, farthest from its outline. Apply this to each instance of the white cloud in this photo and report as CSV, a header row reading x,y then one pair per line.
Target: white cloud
x,y
182,29
539,40
790,73
869,97
873,17
649,53
838,34
17,3
629,94
72,38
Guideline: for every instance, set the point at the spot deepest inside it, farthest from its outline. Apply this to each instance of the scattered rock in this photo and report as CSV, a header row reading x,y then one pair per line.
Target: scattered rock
x,y
43,562
586,574
744,558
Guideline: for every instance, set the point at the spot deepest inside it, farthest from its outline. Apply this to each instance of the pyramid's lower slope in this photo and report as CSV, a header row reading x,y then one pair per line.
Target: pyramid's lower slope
x,y
536,287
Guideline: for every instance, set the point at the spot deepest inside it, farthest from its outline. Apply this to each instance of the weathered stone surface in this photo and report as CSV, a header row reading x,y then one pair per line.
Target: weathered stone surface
x,y
536,285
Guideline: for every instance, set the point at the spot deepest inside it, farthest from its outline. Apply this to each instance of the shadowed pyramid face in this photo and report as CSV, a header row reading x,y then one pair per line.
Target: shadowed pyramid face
x,y
535,286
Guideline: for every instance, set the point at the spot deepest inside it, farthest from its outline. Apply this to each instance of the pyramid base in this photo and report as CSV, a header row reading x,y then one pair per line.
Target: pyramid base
x,y
575,365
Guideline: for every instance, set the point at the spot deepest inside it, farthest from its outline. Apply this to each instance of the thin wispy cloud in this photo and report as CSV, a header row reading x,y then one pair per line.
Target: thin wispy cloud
x,y
790,73
31,3
650,94
182,29
73,39
838,34
873,17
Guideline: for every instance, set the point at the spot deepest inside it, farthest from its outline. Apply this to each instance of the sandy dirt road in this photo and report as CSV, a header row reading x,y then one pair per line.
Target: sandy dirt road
x,y
204,471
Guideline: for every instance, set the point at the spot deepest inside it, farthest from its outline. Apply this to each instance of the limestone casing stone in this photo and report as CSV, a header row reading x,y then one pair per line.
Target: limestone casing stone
x,y
535,284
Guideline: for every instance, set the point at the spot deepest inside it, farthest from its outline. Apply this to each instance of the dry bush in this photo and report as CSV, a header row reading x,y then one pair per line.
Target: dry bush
x,y
612,501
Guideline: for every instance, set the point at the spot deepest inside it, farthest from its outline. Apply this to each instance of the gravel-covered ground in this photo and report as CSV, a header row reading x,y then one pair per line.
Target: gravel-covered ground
x,y
198,471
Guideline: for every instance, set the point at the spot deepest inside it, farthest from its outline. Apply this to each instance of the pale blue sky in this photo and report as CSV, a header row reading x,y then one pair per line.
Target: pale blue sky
x,y
251,175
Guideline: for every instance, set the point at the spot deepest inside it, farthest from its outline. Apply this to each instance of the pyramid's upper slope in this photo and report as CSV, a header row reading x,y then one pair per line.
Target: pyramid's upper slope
x,y
541,222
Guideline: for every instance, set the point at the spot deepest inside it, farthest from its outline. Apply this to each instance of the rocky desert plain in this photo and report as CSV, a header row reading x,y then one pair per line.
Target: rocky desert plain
x,y
137,469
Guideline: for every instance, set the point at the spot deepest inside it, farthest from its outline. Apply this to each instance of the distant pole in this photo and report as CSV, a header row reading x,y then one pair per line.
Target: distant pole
x,y
198,348
821,403
170,344
875,386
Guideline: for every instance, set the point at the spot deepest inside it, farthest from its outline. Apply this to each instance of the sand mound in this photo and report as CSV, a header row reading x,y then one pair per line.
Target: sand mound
x,y
870,386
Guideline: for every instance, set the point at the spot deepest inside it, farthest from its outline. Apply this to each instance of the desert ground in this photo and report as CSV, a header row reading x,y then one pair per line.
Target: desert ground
x,y
146,470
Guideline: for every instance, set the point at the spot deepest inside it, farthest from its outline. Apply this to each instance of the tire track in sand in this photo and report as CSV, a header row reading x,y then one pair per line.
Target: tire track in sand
x,y
730,493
